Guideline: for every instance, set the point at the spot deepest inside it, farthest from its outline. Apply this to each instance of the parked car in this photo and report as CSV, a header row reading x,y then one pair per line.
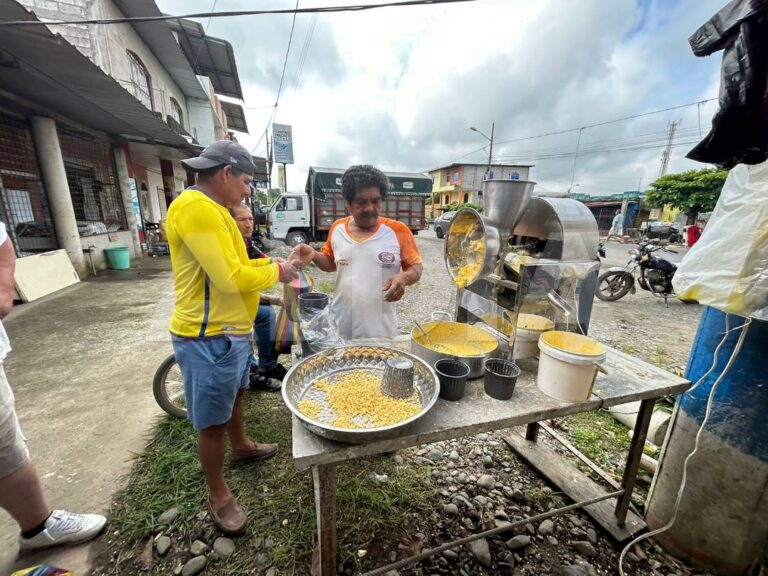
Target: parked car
x,y
442,222
664,231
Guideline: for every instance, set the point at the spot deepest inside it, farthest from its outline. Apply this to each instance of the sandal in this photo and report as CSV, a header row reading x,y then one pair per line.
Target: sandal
x,y
230,518
258,452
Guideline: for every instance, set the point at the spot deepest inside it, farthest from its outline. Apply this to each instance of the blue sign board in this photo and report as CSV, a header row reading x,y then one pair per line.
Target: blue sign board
x,y
282,143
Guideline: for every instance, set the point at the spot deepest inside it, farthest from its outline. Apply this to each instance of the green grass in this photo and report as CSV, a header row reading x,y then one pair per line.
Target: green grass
x,y
543,495
325,287
278,498
599,437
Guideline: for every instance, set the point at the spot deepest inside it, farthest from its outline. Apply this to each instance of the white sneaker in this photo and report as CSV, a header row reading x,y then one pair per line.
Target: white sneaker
x,y
64,527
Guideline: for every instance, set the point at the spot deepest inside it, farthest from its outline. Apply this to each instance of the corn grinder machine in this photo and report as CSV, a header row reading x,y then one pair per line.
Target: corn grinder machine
x,y
524,254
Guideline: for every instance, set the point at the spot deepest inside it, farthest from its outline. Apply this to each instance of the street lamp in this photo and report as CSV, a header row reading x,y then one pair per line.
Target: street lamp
x,y
490,151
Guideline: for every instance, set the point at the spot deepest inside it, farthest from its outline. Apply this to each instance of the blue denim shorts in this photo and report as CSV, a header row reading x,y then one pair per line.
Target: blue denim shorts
x,y
214,370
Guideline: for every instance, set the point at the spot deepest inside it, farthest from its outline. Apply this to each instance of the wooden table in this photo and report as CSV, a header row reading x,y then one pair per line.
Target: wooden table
x,y
628,379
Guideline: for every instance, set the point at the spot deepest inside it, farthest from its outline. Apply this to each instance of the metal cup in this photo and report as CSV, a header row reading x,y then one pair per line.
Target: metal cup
x,y
398,378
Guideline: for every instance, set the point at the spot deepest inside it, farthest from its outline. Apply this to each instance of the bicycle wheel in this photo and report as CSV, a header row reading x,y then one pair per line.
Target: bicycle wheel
x,y
168,388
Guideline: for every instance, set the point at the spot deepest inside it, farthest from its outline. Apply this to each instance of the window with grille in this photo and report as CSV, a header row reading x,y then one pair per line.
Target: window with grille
x,y
92,183
23,205
141,81
176,112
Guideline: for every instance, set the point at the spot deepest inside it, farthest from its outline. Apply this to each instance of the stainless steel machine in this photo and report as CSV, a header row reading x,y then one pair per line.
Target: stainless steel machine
x,y
524,255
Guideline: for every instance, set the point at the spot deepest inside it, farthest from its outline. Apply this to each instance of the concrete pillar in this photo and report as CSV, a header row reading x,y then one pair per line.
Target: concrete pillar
x,y
121,163
722,524
57,189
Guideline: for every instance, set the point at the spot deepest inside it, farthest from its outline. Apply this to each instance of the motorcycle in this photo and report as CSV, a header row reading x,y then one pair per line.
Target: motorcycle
x,y
258,239
654,274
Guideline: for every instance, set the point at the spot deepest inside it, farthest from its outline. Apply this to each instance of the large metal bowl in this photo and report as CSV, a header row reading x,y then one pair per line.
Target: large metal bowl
x,y
476,362
297,385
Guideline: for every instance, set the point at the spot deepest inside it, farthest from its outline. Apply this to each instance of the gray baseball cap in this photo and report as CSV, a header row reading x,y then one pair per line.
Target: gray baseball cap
x,y
219,153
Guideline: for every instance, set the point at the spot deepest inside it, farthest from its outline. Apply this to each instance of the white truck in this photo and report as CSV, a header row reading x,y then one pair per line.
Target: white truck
x,y
307,216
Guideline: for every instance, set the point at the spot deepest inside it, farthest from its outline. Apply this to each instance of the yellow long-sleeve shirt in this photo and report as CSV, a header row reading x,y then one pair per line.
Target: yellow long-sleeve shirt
x,y
217,286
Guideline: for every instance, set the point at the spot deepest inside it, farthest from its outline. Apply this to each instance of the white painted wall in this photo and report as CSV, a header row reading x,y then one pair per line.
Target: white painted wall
x,y
101,241
106,46
472,176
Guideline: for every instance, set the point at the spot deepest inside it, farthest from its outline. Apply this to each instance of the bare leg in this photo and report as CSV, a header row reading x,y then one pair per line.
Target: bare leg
x,y
236,426
21,494
210,449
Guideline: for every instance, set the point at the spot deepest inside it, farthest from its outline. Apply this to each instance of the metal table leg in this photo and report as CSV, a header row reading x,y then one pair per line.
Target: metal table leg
x,y
324,479
532,432
633,459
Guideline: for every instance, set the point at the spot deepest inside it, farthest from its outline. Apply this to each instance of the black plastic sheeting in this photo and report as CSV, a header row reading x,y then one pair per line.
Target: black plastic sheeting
x,y
739,132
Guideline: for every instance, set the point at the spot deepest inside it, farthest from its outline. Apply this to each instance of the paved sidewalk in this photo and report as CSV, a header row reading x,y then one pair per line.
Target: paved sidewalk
x,y
81,368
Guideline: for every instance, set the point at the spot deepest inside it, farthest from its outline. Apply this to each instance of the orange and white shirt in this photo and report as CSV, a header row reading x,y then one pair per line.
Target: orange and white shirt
x,y
362,269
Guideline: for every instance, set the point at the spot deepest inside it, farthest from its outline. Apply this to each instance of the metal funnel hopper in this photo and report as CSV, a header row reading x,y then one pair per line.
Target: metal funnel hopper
x,y
505,202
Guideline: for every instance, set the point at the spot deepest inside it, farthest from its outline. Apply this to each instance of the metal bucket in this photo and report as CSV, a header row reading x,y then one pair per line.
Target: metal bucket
x,y
431,356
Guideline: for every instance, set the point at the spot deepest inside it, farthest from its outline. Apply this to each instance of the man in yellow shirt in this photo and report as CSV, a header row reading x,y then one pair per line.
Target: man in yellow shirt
x,y
217,294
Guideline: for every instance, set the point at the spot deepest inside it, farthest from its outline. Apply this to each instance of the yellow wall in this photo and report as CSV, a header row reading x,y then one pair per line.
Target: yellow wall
x,y
668,214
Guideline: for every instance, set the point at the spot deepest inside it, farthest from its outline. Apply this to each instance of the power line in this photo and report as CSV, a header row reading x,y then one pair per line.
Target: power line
x,y
205,31
604,123
231,13
282,77
304,53
287,52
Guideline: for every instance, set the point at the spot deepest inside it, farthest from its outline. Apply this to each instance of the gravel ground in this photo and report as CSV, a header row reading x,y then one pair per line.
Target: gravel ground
x,y
482,481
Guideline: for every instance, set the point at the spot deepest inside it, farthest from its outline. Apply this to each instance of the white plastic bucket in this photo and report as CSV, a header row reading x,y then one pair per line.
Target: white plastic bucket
x,y
568,365
527,339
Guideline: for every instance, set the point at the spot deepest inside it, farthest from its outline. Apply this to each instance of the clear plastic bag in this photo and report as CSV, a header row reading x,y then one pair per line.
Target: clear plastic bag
x,y
318,327
728,267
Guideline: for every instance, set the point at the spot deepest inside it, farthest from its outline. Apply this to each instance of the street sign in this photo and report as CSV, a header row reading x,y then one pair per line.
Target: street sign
x,y
282,138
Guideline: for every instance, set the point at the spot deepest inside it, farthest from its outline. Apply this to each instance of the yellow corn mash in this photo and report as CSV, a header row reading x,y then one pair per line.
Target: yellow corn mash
x,y
456,338
499,323
534,322
311,409
466,274
571,342
355,401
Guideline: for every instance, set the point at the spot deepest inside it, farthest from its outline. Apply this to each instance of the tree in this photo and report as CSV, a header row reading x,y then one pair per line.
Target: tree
x,y
692,192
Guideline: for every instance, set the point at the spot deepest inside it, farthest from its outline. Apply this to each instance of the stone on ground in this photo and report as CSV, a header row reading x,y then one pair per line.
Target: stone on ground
x,y
517,542
194,566
199,548
224,547
486,481
168,516
162,545
481,551
585,548
546,528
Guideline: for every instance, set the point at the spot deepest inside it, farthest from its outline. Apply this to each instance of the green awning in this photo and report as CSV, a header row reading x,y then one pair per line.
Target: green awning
x,y
322,181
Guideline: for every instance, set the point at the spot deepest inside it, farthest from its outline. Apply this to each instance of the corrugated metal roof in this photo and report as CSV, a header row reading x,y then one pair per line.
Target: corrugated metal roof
x,y
48,70
235,116
211,57
160,40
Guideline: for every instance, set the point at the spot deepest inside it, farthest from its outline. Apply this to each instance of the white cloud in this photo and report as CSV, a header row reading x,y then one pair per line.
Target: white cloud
x,y
400,87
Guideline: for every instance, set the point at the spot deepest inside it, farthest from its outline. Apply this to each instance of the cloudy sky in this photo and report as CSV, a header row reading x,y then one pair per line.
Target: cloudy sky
x,y
400,87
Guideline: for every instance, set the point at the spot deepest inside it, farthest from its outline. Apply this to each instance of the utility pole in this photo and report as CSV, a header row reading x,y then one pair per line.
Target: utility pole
x,y
575,157
269,164
490,151
667,151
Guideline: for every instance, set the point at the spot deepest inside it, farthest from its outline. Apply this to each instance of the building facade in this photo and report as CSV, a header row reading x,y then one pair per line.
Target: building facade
x,y
462,183
94,120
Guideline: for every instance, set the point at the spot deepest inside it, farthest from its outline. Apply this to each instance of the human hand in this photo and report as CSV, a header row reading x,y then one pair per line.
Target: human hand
x,y
303,254
278,301
287,272
394,288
